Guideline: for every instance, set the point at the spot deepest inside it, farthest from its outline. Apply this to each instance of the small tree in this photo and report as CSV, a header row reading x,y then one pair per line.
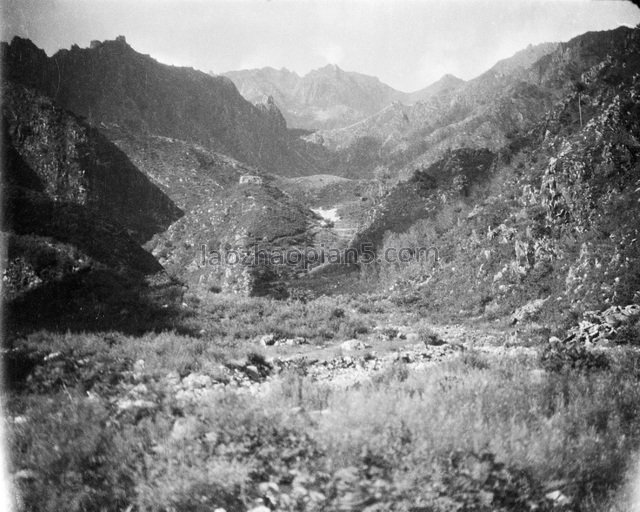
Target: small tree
x,y
579,87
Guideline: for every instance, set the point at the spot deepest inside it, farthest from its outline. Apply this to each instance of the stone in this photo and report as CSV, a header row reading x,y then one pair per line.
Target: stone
x,y
298,340
558,498
413,337
433,339
25,474
172,378
529,311
350,345
267,340
138,366
184,428
265,487
211,437
196,380
139,389
252,372
127,404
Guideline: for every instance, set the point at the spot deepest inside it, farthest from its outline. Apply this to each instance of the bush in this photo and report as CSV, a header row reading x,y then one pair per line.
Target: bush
x,y
79,458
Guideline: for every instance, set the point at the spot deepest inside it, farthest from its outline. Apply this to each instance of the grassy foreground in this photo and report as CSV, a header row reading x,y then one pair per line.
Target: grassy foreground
x,y
482,430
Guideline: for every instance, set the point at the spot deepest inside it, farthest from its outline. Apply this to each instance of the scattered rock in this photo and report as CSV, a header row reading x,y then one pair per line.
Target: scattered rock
x,y
602,327
184,428
53,356
172,379
432,339
196,380
260,508
558,498
25,474
127,404
138,367
413,337
252,372
211,437
268,340
529,311
139,390
352,344
298,340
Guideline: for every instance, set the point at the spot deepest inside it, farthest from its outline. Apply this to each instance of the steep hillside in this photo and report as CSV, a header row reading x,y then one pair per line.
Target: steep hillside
x,y
222,213
328,97
75,211
557,222
488,112
112,83
450,180
71,162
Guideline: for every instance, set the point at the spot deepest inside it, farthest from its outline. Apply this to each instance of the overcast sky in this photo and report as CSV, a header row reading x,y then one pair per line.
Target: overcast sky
x,y
407,44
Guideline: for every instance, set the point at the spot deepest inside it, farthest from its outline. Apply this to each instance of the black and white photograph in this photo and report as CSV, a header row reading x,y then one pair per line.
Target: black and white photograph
x,y
320,256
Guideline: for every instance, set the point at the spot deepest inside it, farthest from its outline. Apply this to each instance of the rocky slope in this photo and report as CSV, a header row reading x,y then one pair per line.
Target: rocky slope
x,y
486,112
449,180
75,211
70,162
554,223
222,213
112,83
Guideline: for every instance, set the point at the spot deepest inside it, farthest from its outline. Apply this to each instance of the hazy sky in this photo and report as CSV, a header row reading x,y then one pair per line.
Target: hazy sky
x,y
406,43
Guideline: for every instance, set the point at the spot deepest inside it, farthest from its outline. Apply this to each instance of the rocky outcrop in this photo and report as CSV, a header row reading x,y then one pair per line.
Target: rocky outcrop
x,y
75,211
604,327
60,156
586,345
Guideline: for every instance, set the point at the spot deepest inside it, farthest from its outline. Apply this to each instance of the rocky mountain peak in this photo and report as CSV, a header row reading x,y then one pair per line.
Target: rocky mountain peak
x,y
112,83
330,69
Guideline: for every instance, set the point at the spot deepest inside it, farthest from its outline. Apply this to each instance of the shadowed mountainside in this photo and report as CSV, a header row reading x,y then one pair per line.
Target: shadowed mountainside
x,y
112,83
75,210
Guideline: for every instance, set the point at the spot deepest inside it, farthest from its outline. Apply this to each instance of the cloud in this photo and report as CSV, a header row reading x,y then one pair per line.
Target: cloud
x,y
331,53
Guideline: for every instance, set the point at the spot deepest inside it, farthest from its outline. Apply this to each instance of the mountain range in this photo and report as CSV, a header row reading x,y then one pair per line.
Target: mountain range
x,y
328,97
112,83
138,165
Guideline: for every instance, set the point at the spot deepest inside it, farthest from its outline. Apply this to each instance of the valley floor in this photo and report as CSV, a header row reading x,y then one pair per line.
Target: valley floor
x,y
345,403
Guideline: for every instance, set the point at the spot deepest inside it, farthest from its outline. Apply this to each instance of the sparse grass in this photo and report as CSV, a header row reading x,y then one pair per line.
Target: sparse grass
x,y
237,319
404,439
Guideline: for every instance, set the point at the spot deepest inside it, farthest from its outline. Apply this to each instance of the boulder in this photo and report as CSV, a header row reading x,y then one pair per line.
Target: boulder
x,y
196,380
529,311
268,339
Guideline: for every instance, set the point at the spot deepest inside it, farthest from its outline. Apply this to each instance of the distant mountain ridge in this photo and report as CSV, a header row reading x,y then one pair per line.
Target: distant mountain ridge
x,y
328,97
